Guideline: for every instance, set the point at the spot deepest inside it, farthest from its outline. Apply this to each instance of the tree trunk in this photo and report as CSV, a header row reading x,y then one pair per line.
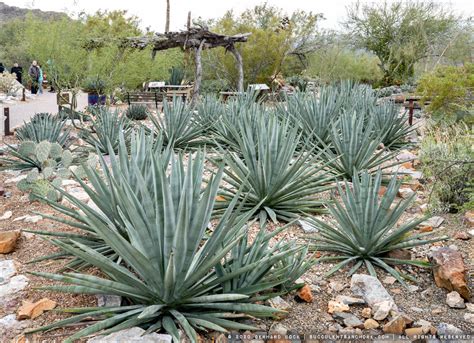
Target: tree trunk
x,y
240,67
198,76
167,25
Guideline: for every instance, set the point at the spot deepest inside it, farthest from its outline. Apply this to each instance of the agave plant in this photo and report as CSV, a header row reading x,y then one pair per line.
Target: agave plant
x,y
209,112
178,125
366,227
105,130
356,147
168,273
137,112
387,119
136,155
314,115
282,182
44,127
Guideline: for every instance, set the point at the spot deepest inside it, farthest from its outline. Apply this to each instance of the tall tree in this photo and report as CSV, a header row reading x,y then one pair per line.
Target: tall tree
x,y
167,25
399,33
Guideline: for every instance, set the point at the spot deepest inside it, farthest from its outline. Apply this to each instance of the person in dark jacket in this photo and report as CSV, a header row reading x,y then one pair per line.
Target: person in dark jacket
x,y
18,71
2,68
34,73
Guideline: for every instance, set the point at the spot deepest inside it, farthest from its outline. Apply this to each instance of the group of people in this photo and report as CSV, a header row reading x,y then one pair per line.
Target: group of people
x,y
34,71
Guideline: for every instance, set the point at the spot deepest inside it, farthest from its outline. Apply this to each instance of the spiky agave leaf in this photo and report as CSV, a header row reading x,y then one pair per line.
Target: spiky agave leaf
x,y
356,147
44,127
105,130
168,275
392,124
178,125
366,227
284,183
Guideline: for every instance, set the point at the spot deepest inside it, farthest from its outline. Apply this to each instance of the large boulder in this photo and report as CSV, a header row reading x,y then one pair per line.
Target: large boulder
x,y
8,241
449,271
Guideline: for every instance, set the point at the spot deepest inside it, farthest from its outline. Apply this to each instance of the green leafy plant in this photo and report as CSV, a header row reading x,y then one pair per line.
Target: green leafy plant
x,y
366,229
105,129
137,112
44,127
447,160
178,125
168,271
271,174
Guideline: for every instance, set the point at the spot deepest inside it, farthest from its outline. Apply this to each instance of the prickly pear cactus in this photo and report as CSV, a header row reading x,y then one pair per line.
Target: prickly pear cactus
x,y
66,158
27,148
42,151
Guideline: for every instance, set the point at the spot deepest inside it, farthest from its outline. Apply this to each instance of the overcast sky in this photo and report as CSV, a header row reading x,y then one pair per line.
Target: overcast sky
x,y
152,12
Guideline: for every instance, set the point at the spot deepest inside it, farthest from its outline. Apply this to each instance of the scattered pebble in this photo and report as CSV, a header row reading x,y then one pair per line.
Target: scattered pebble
x,y
454,300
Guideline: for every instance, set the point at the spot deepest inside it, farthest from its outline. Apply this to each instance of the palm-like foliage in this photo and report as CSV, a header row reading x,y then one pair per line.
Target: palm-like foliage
x,y
355,146
388,121
105,130
44,127
168,274
365,227
282,182
178,125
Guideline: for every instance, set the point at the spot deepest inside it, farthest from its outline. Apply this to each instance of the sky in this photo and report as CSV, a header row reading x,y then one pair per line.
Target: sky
x,y
152,12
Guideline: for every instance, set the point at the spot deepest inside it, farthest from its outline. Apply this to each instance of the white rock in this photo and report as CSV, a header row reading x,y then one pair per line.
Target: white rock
x,y
434,222
108,300
6,215
307,227
405,155
405,192
132,335
66,183
15,284
343,299
370,288
469,318
33,219
9,324
471,233
7,270
414,174
445,329
16,179
454,300
382,309
470,307
79,194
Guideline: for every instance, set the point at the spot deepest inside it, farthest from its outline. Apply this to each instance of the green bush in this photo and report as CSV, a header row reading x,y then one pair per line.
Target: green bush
x,y
447,157
450,91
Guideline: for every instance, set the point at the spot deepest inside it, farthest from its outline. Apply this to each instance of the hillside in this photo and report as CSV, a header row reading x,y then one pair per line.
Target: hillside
x,y
12,12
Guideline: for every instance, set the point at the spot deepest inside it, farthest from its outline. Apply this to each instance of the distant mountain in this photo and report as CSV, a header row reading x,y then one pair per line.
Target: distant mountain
x,y
12,12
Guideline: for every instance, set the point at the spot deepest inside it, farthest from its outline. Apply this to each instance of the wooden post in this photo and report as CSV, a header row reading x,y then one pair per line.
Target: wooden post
x,y
198,77
411,108
23,96
240,67
6,131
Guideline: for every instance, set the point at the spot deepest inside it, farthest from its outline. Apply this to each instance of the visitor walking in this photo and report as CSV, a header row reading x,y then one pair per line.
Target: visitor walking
x,y
18,71
2,68
40,79
34,73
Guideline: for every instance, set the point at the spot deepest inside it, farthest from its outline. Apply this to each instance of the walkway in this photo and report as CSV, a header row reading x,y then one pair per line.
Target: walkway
x,y
46,102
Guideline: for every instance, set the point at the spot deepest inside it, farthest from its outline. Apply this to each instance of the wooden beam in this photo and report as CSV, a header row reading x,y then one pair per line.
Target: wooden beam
x,y
240,67
198,76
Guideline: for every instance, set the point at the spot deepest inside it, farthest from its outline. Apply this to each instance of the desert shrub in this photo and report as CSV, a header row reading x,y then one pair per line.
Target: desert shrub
x,y
447,158
174,273
365,227
449,90
137,112
44,127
